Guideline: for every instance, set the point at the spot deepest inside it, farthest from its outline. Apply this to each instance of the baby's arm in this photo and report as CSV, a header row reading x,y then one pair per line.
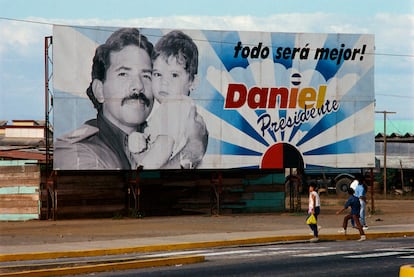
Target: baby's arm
x,y
196,144
150,155
158,153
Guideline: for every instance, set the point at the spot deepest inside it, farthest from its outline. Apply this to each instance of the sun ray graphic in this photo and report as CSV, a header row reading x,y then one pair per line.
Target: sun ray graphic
x,y
333,139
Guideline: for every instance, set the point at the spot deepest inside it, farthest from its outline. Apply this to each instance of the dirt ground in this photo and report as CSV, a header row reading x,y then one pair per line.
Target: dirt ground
x,y
387,212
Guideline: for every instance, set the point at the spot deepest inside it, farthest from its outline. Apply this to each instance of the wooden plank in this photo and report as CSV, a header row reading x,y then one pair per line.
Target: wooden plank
x,y
194,201
19,168
18,203
233,206
204,182
17,175
19,182
90,209
262,202
181,183
19,190
266,178
19,210
18,217
18,197
19,178
269,195
91,183
265,188
146,182
89,194
80,179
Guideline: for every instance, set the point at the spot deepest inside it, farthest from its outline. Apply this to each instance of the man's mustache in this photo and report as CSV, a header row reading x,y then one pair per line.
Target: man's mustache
x,y
137,96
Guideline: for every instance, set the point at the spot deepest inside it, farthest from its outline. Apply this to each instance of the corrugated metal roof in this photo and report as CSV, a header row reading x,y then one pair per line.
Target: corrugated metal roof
x,y
394,137
394,126
22,141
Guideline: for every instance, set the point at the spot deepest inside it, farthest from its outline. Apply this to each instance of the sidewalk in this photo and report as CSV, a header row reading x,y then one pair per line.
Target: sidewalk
x,y
39,241
199,240
51,239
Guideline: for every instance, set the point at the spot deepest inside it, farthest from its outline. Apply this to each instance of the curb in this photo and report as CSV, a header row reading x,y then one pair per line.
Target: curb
x,y
407,270
188,245
107,267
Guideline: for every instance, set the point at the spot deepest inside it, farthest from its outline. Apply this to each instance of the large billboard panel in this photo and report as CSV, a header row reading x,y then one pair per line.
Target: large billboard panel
x,y
169,99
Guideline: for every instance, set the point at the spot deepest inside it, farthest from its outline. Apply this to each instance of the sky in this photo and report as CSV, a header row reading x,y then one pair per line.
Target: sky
x,y
25,24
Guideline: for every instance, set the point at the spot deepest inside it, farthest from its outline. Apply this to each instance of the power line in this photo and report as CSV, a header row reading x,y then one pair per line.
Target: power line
x,y
394,55
96,28
26,21
56,24
395,95
395,127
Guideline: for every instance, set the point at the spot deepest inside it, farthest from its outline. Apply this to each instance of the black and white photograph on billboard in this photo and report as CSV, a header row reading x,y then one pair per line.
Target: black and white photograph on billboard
x,y
128,75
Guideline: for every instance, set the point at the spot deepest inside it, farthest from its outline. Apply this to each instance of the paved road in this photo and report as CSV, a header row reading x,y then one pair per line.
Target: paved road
x,y
379,258
40,240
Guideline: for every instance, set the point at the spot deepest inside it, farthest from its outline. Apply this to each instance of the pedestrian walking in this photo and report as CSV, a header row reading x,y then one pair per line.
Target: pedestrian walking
x,y
360,188
352,202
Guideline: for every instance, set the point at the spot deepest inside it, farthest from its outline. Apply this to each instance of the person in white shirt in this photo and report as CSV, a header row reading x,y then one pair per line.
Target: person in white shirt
x,y
315,209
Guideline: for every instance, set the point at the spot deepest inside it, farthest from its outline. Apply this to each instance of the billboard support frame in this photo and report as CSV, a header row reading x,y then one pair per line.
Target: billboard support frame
x,y
134,188
216,182
50,173
48,98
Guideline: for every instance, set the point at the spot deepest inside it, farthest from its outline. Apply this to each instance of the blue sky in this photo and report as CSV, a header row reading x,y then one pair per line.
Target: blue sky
x,y
111,9
24,24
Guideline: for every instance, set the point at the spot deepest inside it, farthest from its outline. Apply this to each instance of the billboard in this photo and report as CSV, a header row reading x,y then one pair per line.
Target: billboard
x,y
169,99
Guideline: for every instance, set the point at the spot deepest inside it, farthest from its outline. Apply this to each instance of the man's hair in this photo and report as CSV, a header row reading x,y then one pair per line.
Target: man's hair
x,y
182,47
116,42
351,191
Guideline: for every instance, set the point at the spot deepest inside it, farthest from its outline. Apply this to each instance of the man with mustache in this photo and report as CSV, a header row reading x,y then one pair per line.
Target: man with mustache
x,y
121,93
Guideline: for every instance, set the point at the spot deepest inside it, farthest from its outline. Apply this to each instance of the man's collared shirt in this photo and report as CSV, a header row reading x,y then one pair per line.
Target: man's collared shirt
x,y
98,144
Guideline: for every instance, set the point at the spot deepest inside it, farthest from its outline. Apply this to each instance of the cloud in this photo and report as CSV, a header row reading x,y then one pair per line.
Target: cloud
x,y
22,37
396,33
22,44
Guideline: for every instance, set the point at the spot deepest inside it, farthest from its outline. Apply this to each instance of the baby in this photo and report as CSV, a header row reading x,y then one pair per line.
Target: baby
x,y
175,64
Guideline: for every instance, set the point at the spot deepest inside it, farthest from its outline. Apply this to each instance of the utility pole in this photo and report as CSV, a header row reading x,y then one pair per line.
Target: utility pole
x,y
385,148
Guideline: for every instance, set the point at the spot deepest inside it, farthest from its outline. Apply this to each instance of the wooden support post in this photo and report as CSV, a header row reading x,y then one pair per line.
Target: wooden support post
x,y
135,189
216,189
293,185
51,195
372,190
